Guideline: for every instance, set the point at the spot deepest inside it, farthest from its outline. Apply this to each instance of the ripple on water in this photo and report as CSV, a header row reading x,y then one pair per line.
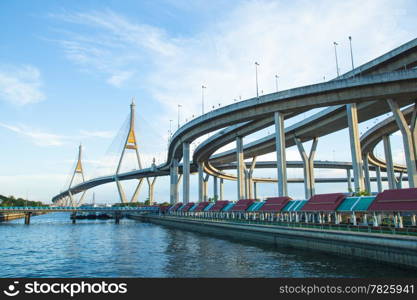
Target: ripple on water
x,y
53,247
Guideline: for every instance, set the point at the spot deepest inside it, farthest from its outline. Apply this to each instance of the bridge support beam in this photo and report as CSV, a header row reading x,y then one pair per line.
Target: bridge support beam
x,y
117,217
186,172
378,179
27,218
349,180
215,189
151,189
221,188
280,149
366,170
389,162
174,182
205,187
308,166
407,135
240,168
248,179
355,146
255,190
200,182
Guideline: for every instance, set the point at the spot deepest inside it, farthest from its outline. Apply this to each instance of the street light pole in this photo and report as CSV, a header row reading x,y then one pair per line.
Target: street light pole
x,y
256,77
179,106
351,52
202,99
276,81
335,54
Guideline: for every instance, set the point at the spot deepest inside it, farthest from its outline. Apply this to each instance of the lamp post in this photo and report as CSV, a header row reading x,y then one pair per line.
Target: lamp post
x,y
335,54
179,106
351,52
276,81
256,77
202,98
170,129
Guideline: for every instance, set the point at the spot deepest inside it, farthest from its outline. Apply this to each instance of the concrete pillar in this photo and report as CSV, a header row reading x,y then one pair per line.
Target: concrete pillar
x,y
255,190
389,162
249,181
354,223
280,149
205,187
173,197
408,143
399,181
308,166
200,182
186,172
375,220
378,178
117,218
221,195
215,189
413,220
151,189
27,218
349,180
366,170
240,169
355,146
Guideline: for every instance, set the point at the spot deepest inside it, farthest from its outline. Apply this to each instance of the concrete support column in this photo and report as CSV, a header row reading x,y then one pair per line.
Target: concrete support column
x,y
27,218
407,134
355,146
221,195
249,181
378,179
151,185
240,169
366,170
200,182
215,189
255,190
205,187
186,172
308,166
389,162
399,181
280,149
349,180
174,182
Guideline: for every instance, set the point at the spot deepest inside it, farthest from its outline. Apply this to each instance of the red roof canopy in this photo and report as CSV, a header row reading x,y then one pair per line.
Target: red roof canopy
x,y
275,203
176,206
242,205
324,202
164,207
201,206
219,205
395,200
188,206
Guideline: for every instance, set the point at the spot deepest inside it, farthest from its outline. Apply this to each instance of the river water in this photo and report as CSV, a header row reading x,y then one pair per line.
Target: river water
x,y
51,246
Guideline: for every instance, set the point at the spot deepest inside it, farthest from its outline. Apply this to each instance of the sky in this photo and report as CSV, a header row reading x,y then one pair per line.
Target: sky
x,y
69,70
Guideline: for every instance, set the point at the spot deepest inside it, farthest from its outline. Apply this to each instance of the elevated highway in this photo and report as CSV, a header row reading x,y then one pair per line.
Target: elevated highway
x,y
368,92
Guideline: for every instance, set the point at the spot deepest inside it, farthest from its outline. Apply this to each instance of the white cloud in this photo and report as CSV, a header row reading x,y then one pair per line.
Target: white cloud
x,y
45,139
99,134
38,137
20,85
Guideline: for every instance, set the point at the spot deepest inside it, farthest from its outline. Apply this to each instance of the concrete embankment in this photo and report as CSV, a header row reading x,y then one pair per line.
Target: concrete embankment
x,y
393,249
13,216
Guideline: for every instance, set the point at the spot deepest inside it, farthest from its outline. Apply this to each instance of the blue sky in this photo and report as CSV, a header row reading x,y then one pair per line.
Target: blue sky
x,y
68,71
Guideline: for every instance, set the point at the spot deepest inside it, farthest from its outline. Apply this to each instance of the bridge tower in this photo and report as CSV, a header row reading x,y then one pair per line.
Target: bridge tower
x,y
130,144
78,171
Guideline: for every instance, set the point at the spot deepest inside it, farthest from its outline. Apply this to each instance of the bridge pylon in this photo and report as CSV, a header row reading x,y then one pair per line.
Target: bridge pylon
x,y
130,144
78,171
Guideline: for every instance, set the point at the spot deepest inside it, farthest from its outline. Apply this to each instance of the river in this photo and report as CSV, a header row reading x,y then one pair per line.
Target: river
x,y
51,246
